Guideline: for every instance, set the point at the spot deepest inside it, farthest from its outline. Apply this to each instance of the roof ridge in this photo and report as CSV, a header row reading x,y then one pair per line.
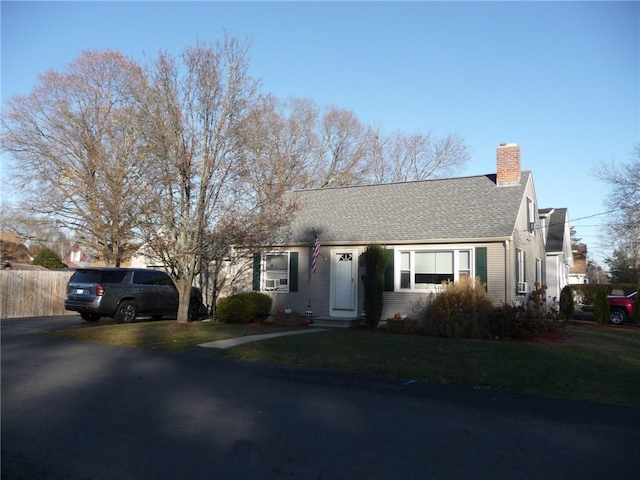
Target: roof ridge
x,y
406,182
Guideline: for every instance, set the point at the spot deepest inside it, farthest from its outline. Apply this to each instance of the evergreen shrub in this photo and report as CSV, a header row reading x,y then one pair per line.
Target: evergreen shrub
x,y
567,307
244,307
601,307
47,258
375,260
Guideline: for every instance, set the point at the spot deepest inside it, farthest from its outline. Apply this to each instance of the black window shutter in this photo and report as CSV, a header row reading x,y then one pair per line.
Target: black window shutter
x,y
389,272
257,261
481,265
293,272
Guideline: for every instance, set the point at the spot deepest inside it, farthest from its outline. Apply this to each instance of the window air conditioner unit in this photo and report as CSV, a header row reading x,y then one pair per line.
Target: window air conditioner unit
x,y
270,284
523,287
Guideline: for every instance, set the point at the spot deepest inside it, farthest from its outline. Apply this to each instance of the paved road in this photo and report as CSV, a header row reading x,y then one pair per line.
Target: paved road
x,y
74,410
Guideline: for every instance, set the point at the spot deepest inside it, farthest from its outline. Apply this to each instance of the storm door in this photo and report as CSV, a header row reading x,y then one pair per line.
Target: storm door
x,y
344,286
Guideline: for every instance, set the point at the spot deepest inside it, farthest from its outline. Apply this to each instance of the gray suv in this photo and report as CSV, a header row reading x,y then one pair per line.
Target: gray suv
x,y
125,293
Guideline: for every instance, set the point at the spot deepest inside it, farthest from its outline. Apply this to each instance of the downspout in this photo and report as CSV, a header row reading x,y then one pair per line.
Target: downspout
x,y
507,273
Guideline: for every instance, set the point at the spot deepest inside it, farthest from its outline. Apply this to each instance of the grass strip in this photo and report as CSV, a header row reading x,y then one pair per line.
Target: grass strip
x,y
600,364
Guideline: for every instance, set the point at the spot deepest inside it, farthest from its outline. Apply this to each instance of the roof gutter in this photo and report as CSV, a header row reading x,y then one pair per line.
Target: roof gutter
x,y
430,241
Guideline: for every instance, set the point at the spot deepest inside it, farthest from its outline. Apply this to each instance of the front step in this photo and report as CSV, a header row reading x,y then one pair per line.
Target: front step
x,y
335,322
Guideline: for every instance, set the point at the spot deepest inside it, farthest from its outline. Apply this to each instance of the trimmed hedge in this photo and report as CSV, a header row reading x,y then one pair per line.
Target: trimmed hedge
x,y
244,307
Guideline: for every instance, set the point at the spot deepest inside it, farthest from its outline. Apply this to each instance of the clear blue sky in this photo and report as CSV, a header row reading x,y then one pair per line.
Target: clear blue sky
x,y
560,79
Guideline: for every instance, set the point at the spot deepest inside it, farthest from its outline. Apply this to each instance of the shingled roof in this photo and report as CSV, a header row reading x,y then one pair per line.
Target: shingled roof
x,y
12,249
453,209
556,229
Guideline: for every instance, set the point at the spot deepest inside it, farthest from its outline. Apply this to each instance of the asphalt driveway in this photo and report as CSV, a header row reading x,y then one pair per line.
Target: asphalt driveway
x,y
75,410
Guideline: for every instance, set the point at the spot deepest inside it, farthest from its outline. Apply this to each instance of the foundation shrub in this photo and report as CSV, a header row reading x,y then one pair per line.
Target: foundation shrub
x,y
244,308
460,311
375,259
525,322
511,322
601,307
567,307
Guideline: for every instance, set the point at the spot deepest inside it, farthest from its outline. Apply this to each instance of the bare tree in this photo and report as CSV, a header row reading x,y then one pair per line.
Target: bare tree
x,y
76,151
341,160
312,147
196,105
623,223
624,183
278,144
36,232
402,157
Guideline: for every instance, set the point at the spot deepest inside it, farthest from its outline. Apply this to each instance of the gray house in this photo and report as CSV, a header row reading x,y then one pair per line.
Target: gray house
x,y
554,224
485,226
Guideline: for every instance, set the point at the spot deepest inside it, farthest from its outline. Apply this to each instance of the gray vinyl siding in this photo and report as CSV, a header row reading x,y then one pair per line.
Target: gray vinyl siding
x,y
312,287
496,280
553,287
531,244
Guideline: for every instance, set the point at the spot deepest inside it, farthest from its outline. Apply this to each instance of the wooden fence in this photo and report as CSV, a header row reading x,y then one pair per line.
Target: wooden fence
x,y
29,293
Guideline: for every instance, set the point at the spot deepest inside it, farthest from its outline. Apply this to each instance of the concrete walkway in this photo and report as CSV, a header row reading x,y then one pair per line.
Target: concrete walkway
x,y
233,342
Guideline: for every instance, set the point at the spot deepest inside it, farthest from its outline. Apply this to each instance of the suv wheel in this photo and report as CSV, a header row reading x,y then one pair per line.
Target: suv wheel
x,y
127,312
90,317
618,316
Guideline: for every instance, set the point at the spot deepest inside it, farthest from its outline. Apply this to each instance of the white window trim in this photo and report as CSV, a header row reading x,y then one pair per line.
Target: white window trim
x,y
263,273
456,249
520,267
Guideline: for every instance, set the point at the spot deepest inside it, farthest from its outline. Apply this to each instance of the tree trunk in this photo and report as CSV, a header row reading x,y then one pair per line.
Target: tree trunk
x,y
184,293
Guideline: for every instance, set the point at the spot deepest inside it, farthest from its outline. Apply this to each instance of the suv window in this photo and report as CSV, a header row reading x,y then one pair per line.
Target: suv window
x,y
113,277
86,276
145,277
152,277
164,279
97,276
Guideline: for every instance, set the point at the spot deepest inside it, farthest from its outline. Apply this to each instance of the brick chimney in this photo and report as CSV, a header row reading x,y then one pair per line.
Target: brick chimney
x,y
508,155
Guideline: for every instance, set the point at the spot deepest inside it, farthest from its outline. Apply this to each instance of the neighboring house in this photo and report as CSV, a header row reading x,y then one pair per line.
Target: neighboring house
x,y
578,274
142,258
484,226
554,225
13,251
77,257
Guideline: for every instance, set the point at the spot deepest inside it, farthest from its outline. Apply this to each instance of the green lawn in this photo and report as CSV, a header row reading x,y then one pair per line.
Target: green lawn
x,y
600,364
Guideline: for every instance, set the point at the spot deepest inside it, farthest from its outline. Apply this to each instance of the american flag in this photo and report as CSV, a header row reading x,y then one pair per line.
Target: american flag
x,y
316,252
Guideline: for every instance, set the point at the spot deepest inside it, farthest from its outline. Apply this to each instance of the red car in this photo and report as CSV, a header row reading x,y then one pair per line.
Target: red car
x,y
622,307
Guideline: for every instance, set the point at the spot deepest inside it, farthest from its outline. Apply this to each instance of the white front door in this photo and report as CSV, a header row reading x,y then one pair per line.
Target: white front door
x,y
344,285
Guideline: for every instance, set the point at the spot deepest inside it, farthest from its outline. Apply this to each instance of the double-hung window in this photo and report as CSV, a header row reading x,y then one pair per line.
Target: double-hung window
x,y
531,212
276,272
520,265
429,269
